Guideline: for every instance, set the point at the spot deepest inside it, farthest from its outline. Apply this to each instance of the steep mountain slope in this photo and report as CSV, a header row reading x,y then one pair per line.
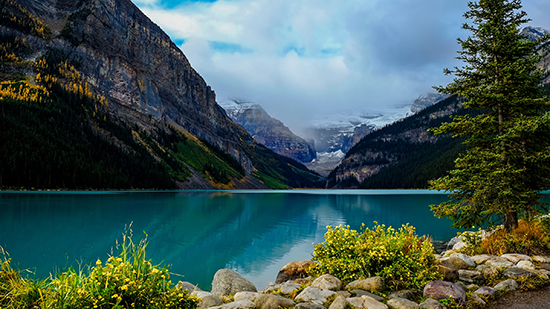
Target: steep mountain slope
x,y
269,131
105,66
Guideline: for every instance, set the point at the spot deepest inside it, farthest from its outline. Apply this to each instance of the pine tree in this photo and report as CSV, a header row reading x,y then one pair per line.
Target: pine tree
x,y
507,163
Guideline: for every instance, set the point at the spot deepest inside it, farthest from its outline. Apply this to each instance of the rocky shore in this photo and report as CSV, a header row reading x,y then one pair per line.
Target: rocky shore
x,y
468,281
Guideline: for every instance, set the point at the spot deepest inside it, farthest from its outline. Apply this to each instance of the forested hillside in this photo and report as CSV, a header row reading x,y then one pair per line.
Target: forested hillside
x,y
62,126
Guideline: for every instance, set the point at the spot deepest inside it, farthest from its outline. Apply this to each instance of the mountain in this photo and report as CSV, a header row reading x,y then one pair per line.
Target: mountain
x,y
426,100
269,131
95,95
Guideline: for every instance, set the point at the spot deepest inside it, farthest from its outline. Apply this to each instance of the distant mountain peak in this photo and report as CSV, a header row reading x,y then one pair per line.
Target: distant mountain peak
x,y
534,33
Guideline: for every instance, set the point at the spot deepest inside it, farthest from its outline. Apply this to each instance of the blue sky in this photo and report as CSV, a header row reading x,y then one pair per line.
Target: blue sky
x,y
304,59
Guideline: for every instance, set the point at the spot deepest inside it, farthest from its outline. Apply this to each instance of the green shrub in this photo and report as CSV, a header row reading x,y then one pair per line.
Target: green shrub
x,y
399,256
126,281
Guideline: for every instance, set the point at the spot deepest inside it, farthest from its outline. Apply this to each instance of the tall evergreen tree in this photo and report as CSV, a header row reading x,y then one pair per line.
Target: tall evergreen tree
x,y
507,163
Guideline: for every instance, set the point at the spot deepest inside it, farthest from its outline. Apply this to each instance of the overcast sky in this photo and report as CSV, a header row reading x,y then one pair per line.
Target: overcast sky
x,y
300,59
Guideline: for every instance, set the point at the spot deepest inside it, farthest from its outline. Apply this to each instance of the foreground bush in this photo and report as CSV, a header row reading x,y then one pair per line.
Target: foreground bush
x,y
126,281
399,256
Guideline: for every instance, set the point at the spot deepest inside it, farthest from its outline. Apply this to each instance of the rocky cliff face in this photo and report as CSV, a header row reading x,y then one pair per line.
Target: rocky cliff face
x,y
269,131
124,57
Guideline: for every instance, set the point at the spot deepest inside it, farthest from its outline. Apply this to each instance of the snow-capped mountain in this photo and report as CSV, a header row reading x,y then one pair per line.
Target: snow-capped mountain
x,y
534,33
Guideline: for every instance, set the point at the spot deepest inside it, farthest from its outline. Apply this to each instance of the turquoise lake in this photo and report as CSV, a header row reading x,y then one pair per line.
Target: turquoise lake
x,y
198,232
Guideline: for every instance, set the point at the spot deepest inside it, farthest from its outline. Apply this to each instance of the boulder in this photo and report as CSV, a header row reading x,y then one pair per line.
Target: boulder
x,y
431,303
507,285
289,287
545,266
528,265
406,294
452,243
518,273
515,257
294,270
246,295
243,304
478,301
540,259
402,303
339,303
373,284
481,258
314,295
485,291
365,302
227,282
487,271
448,270
442,289
273,301
327,282
499,262
308,306
271,287
201,294
461,261
187,286
469,275
344,294
210,301
359,293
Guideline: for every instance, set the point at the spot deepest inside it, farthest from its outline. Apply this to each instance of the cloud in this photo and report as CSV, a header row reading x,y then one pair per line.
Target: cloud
x,y
301,59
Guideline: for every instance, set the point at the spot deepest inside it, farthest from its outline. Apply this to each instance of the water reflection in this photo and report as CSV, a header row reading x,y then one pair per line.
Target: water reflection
x,y
199,232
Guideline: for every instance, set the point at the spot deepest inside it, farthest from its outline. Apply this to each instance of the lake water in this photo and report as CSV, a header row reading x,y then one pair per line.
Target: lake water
x,y
198,232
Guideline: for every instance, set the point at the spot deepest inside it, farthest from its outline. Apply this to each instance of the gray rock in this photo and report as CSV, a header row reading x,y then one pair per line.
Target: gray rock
x,y
518,273
339,303
314,295
243,304
540,259
515,257
485,291
210,301
406,294
187,286
373,284
528,265
344,294
462,286
227,282
431,303
294,270
481,258
359,293
442,289
452,242
273,301
271,287
402,303
507,285
289,287
545,266
201,294
487,271
499,262
478,300
469,275
472,287
327,282
308,306
365,302
246,295
462,261
448,270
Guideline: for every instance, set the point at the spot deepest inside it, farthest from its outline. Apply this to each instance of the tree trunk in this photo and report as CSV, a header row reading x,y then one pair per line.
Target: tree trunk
x,y
511,221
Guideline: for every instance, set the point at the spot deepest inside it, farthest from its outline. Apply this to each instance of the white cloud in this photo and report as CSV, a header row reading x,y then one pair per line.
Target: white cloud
x,y
312,56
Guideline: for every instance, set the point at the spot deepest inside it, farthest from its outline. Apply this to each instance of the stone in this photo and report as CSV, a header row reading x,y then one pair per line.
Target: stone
x,y
431,303
485,291
359,293
448,270
545,266
481,258
365,302
243,304
273,301
469,275
507,285
373,284
515,257
188,286
472,287
272,287
540,259
499,262
528,265
518,273
210,301
327,282
308,306
462,286
227,282
478,301
543,273
442,289
294,270
344,294
289,287
314,295
487,271
461,261
245,295
402,303
339,303
406,294
201,294
452,243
